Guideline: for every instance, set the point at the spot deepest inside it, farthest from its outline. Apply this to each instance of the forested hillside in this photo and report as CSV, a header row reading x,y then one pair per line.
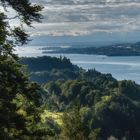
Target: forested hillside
x,y
44,69
71,104
107,108
47,63
128,49
91,105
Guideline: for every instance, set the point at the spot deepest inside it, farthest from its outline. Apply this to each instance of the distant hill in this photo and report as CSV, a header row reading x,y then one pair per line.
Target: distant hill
x,y
46,68
47,63
128,49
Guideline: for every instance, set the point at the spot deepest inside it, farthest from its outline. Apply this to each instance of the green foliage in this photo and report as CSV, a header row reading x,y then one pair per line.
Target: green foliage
x,y
111,108
20,100
87,89
130,89
10,36
107,109
44,69
75,127
47,63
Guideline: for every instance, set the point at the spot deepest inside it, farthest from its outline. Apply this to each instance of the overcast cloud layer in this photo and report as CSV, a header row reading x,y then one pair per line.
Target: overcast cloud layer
x,y
85,17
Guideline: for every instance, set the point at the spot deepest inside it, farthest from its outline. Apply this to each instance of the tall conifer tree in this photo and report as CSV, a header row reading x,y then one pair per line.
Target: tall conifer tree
x,y
18,97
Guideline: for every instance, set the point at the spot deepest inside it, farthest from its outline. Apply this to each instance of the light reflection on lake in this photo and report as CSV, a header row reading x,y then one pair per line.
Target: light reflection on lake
x,y
120,67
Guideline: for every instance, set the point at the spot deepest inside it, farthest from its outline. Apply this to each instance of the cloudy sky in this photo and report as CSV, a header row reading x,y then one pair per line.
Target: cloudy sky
x,y
84,17
117,20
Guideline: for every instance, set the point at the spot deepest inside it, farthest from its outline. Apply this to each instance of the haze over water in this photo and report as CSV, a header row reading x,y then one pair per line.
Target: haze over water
x,y
120,67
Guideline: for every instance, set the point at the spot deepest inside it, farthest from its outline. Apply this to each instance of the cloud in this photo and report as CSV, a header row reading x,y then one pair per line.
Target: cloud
x,y
84,17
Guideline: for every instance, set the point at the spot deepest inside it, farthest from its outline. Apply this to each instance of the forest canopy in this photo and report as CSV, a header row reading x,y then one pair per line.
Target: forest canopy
x,y
88,104
72,104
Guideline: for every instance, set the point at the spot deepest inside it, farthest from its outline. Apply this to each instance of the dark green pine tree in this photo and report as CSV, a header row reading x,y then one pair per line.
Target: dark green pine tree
x,y
19,99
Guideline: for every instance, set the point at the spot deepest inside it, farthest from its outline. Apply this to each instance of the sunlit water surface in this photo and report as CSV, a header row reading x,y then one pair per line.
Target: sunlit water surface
x,y
120,67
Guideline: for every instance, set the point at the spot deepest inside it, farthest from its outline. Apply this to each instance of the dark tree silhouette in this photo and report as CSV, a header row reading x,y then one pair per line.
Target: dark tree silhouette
x,y
18,97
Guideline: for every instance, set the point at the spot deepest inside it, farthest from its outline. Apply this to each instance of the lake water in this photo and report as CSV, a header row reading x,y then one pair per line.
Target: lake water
x,y
120,67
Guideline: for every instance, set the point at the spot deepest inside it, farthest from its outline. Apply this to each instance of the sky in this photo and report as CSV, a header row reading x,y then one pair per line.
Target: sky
x,y
88,21
84,17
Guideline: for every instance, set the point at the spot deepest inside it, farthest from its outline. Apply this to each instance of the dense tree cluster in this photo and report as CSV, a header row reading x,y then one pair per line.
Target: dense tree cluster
x,y
20,100
46,68
109,108
105,108
93,106
47,63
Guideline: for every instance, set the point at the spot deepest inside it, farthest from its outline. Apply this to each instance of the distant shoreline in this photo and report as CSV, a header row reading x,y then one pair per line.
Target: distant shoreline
x,y
130,55
112,50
